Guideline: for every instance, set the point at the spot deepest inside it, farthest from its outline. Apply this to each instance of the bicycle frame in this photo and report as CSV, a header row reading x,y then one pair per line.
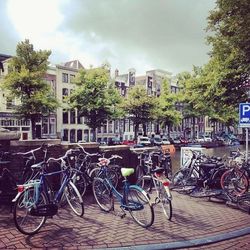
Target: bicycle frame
x,y
121,197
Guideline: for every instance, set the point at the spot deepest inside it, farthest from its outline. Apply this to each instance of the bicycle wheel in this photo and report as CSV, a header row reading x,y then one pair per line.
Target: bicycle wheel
x,y
74,199
26,223
234,182
80,182
111,174
139,172
103,194
166,202
183,178
243,203
146,183
139,207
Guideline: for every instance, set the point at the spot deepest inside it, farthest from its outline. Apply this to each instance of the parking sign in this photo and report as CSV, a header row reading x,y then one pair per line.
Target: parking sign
x,y
244,115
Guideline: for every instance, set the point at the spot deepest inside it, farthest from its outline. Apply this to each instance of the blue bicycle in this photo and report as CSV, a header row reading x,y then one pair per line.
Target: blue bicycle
x,y
34,201
132,198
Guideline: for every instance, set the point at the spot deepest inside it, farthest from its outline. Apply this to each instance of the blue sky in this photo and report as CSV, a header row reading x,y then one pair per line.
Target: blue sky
x,y
140,34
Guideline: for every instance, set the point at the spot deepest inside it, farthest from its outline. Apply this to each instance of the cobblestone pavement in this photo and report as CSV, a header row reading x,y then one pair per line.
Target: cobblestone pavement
x,y
192,219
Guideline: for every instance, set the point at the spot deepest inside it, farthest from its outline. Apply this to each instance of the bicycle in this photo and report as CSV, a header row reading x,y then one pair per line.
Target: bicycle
x,y
200,177
235,181
156,178
132,198
83,169
8,182
34,203
161,158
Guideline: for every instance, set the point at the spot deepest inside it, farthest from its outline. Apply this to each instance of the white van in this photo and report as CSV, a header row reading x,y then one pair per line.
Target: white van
x,y
143,140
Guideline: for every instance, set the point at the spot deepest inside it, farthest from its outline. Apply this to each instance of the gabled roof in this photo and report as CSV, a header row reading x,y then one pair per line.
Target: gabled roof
x,y
75,64
3,57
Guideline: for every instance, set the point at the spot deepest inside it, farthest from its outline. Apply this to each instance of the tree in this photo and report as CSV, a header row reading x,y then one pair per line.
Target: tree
x,y
167,113
139,107
26,81
95,97
229,24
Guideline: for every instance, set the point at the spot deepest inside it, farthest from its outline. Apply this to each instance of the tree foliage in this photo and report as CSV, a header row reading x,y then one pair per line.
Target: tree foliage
x,y
139,107
95,97
229,23
26,81
166,112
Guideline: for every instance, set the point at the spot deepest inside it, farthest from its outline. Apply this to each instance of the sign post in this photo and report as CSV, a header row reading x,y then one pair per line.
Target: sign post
x,y
244,121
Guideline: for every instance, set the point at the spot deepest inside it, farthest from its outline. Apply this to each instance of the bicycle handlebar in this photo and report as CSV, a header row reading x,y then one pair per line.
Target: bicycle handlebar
x,y
85,152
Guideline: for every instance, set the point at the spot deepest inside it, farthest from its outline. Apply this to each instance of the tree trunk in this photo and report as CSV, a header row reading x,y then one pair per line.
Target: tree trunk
x,y
144,125
193,127
136,130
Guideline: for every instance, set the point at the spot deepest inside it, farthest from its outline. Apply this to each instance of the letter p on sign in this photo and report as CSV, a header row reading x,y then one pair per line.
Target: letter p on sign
x,y
245,109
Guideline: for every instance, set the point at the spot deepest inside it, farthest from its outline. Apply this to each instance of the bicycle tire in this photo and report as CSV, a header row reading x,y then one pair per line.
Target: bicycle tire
x,y
243,203
139,172
103,194
234,182
182,178
166,202
111,174
146,183
74,199
20,204
138,204
81,183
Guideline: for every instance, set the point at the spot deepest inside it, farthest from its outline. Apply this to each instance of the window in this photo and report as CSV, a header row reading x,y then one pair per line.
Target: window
x,y
65,77
72,116
65,117
79,135
71,78
45,125
72,135
9,103
86,135
65,135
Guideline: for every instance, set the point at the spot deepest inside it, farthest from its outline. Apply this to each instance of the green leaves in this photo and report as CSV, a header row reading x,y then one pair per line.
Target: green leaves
x,y
26,82
95,97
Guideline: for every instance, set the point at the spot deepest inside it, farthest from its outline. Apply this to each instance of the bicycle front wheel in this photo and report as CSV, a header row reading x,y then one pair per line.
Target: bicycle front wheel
x,y
234,182
24,221
243,203
137,203
103,195
166,202
74,199
80,182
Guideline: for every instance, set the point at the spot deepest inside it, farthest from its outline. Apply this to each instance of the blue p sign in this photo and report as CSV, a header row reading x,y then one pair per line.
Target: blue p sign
x,y
244,115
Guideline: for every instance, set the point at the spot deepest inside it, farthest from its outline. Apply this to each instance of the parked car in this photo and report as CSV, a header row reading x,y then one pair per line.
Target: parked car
x,y
129,142
143,140
165,141
184,140
114,141
157,141
175,141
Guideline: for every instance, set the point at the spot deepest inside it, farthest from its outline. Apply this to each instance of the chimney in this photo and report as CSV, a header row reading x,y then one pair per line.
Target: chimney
x,y
116,72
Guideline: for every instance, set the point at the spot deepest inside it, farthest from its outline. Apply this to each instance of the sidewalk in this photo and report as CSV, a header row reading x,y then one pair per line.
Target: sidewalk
x,y
193,219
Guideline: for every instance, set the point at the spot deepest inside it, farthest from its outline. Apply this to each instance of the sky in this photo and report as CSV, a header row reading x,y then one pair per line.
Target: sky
x,y
140,34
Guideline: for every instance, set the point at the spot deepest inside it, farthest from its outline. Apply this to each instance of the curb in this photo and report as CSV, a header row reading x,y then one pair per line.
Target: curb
x,y
189,243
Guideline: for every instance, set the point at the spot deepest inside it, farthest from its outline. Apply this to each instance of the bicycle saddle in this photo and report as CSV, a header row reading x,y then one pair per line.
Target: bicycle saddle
x,y
127,171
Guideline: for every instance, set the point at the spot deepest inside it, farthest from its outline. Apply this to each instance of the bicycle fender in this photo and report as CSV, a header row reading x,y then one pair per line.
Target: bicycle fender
x,y
143,191
17,196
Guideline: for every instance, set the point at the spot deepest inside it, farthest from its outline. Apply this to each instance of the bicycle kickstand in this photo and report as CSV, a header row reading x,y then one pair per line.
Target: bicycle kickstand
x,y
122,213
